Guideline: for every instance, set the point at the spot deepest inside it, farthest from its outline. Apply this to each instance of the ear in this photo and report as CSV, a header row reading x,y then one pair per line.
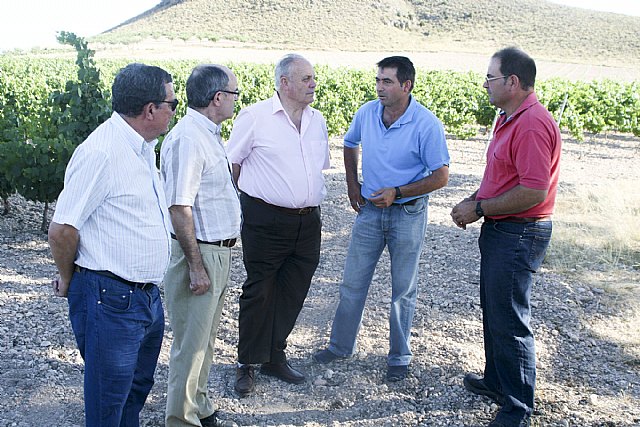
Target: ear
x,y
148,110
514,81
407,86
284,82
216,99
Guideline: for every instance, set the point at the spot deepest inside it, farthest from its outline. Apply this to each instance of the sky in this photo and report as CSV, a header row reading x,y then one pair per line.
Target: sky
x,y
33,23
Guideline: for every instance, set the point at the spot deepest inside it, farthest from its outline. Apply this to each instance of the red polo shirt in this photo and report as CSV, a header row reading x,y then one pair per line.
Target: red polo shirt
x,y
525,150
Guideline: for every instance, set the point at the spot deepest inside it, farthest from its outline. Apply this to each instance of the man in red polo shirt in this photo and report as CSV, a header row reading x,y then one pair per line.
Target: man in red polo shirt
x,y
516,198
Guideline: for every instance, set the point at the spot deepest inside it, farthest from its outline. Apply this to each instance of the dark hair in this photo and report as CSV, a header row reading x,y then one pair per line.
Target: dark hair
x,y
203,83
514,61
403,65
135,86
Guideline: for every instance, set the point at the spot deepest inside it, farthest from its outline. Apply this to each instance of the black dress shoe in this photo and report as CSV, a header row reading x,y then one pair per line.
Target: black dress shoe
x,y
245,380
475,384
214,420
397,373
283,371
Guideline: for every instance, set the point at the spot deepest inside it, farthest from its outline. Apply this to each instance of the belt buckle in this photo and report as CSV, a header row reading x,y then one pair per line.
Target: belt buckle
x,y
145,286
304,211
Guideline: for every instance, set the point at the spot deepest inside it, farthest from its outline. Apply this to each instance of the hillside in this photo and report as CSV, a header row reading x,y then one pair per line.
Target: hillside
x,y
544,29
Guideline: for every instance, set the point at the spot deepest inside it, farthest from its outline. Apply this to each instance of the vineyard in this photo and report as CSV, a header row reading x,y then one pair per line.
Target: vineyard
x,y
48,106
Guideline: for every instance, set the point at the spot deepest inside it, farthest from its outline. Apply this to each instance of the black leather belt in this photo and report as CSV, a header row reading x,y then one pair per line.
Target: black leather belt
x,y
290,211
518,219
411,202
110,275
227,243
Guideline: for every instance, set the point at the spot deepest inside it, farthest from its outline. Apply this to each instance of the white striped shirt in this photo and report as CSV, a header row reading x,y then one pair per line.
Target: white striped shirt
x,y
195,172
113,196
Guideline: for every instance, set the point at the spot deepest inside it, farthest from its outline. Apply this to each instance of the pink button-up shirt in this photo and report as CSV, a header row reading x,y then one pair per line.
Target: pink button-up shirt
x,y
279,164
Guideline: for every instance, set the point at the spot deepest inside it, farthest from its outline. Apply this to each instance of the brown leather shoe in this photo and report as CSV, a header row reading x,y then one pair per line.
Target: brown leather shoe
x,y
245,380
284,372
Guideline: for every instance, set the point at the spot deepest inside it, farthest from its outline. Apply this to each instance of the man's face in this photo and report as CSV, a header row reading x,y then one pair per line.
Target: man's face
x,y
300,86
229,99
164,112
389,89
496,87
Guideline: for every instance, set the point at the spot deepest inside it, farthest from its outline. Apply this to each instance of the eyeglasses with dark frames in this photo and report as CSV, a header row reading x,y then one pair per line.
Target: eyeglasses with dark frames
x,y
173,104
235,93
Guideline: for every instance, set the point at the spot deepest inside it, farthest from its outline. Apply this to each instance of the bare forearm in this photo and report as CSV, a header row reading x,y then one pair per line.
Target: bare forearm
x,y
63,241
182,221
516,200
438,179
351,159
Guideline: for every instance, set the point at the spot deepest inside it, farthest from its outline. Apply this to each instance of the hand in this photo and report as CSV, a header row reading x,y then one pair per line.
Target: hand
x,y
60,287
355,197
383,198
199,282
464,213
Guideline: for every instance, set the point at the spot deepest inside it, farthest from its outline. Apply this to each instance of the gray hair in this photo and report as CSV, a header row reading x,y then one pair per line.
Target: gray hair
x,y
135,86
284,65
203,83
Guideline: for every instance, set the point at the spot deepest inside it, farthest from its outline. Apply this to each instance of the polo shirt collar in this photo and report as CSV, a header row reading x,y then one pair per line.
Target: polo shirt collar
x,y
406,117
528,102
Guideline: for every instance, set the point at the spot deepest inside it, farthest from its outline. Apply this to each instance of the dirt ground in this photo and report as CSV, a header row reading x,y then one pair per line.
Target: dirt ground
x,y
586,331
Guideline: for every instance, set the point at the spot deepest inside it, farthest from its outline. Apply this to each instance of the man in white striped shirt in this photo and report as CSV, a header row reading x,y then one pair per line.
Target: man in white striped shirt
x,y
110,241
205,216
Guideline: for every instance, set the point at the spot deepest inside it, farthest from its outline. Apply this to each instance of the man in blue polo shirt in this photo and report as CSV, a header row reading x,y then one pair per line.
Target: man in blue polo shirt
x,y
404,158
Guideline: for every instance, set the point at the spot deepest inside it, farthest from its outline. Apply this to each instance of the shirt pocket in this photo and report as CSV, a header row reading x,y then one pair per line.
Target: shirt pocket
x,y
500,168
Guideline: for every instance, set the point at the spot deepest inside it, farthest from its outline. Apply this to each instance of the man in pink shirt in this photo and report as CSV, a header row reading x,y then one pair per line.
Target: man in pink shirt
x,y
516,198
278,148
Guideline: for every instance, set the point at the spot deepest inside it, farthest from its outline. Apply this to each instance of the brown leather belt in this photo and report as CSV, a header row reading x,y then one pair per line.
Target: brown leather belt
x,y
290,211
227,243
110,275
518,219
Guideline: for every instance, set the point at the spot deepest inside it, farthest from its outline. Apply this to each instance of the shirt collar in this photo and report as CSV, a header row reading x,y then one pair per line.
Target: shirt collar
x,y
203,121
528,102
132,137
277,106
406,117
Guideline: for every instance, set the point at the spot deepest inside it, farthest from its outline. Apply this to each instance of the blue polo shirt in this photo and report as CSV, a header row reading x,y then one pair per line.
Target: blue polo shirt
x,y
408,151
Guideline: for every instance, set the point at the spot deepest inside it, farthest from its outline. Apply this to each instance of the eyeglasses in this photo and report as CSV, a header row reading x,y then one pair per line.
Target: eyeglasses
x,y
173,104
235,93
490,79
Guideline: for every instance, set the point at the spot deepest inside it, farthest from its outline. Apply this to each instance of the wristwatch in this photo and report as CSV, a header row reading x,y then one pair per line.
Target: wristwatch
x,y
398,193
479,210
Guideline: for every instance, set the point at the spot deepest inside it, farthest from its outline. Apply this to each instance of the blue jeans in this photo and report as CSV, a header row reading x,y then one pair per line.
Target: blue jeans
x,y
401,228
510,254
118,329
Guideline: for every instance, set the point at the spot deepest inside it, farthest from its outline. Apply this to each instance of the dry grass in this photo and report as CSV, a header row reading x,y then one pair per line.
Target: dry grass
x,y
597,234
544,29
